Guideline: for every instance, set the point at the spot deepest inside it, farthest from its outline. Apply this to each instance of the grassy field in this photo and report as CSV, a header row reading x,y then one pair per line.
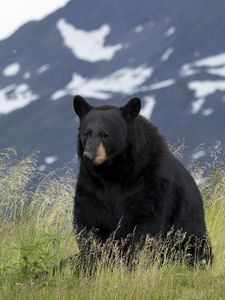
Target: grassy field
x,y
35,237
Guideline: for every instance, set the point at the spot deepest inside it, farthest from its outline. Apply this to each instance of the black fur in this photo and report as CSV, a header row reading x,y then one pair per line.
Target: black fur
x,y
140,190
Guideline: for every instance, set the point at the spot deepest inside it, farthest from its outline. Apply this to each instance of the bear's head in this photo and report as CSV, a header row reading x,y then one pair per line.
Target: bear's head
x,y
103,129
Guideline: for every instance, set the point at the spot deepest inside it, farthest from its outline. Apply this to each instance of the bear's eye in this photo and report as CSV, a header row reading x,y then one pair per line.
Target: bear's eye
x,y
104,134
87,133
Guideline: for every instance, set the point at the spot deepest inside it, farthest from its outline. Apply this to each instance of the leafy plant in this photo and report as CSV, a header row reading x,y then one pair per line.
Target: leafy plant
x,y
40,255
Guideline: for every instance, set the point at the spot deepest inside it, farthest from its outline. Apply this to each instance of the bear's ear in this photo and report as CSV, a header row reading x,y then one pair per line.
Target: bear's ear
x,y
132,108
81,107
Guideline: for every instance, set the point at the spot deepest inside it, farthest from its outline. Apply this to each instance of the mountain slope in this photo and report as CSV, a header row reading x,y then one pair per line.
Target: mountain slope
x,y
171,55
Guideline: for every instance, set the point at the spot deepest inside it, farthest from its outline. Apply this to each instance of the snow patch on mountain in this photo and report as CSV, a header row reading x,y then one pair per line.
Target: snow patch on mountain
x,y
125,81
138,29
210,61
198,154
87,45
43,69
197,105
166,55
42,168
26,75
14,14
208,111
50,159
11,70
147,109
157,86
170,31
203,89
215,65
14,97
220,71
186,70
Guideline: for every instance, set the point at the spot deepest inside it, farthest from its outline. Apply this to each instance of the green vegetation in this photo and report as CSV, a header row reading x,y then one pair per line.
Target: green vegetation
x,y
36,233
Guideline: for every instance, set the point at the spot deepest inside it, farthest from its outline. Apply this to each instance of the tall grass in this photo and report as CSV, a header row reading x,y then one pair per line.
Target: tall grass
x,y
36,233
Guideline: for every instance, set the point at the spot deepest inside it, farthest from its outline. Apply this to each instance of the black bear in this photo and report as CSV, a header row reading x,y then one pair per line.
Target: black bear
x,y
130,186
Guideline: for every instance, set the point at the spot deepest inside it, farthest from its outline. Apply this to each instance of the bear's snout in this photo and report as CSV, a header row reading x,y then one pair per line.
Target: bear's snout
x,y
88,156
95,156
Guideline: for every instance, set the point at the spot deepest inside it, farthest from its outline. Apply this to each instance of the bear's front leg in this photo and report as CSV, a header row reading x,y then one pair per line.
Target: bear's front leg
x,y
136,240
89,247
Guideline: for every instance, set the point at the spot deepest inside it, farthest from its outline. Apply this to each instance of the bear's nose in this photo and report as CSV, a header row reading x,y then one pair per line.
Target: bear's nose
x,y
88,156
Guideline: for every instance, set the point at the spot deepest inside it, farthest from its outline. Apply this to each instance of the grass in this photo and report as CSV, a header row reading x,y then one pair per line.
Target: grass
x,y
36,233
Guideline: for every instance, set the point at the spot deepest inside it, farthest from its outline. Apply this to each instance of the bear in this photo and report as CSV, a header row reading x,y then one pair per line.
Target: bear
x,y
130,187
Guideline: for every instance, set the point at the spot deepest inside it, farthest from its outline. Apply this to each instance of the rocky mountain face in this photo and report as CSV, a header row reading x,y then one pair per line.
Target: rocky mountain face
x,y
171,54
